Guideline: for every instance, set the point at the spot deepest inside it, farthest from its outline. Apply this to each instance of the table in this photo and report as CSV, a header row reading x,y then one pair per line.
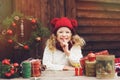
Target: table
x,y
62,75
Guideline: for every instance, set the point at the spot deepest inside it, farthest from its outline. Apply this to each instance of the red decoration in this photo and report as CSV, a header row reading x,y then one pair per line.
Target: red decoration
x,y
14,24
15,64
26,47
9,31
8,74
10,41
12,71
11,68
91,56
82,61
33,21
78,71
6,61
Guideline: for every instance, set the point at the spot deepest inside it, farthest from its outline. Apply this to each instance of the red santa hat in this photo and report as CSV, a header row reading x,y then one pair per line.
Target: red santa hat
x,y
63,22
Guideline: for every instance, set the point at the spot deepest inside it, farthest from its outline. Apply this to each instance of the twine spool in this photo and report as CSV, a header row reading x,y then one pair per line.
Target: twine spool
x,y
26,69
36,68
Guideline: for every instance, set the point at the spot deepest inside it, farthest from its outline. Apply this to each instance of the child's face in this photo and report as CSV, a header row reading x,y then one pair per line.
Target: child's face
x,y
64,34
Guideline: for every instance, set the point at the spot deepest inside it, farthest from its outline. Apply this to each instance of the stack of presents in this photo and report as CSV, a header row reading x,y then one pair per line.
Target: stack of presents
x,y
100,65
28,68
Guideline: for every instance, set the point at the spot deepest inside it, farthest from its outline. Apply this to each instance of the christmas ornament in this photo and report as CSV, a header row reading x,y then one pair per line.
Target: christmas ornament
x,y
33,21
14,24
9,31
26,47
10,41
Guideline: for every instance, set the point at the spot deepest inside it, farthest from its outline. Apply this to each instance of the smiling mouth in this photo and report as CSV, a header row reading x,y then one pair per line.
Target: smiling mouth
x,y
64,39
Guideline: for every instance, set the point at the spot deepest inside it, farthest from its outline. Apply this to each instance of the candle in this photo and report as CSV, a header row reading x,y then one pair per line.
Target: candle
x,y
22,29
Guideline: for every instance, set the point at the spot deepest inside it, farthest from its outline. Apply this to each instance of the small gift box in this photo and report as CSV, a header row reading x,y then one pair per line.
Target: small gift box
x,y
78,71
105,66
117,66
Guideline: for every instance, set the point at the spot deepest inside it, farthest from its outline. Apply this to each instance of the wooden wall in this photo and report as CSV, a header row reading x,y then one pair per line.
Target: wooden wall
x,y
5,9
99,24
43,9
99,20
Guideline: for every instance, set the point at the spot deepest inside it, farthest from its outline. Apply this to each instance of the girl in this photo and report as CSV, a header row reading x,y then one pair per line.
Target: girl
x,y
63,48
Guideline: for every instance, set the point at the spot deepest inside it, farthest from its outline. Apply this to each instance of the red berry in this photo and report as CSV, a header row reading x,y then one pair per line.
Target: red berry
x,y
8,74
6,61
12,71
15,64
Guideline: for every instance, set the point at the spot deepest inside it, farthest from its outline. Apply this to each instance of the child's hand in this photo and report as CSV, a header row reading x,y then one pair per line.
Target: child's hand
x,y
65,47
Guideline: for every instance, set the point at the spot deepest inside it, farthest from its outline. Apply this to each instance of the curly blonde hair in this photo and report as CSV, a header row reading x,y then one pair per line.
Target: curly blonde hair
x,y
76,39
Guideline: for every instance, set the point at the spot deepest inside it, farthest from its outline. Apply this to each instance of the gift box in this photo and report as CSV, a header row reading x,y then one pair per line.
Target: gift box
x,y
92,57
105,66
78,71
117,66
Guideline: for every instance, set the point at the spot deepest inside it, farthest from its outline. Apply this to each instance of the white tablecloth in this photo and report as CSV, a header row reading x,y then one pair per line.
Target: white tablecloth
x,y
61,75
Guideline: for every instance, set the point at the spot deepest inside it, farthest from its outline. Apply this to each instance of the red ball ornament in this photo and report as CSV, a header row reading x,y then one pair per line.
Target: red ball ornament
x,y
9,31
14,24
33,21
15,64
26,47
10,41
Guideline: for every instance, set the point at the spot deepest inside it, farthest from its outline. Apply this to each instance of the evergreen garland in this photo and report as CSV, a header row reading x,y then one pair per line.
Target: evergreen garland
x,y
10,36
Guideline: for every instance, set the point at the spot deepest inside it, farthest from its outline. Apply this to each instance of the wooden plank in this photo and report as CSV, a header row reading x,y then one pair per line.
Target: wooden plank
x,y
43,10
98,22
98,30
98,14
70,8
105,1
97,6
101,37
102,45
56,8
